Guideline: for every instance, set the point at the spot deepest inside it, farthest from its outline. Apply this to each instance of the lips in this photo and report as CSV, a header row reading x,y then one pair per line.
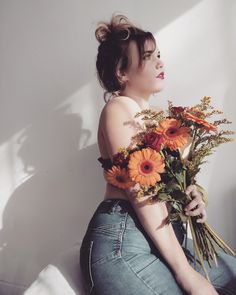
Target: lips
x,y
161,75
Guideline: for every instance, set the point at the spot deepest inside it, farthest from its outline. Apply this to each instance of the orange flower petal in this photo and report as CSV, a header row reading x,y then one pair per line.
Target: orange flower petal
x,y
119,177
197,120
145,166
175,136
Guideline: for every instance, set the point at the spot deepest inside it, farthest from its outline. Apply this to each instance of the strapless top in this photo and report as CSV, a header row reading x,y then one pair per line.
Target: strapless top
x,y
106,162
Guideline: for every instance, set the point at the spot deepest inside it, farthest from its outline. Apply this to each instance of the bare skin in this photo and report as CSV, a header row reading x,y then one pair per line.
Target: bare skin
x,y
112,191
113,133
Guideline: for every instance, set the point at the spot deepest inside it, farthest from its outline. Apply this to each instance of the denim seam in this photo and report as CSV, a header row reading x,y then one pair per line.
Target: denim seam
x,y
90,271
139,276
118,244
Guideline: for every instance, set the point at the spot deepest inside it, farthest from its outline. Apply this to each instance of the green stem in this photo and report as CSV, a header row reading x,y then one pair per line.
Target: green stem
x,y
184,180
224,245
193,144
167,164
197,249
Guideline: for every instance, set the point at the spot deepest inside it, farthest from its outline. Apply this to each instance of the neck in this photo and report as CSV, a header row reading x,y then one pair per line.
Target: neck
x,y
141,99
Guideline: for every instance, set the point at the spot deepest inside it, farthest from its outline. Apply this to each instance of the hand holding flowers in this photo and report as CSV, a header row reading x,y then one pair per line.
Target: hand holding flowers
x,y
198,202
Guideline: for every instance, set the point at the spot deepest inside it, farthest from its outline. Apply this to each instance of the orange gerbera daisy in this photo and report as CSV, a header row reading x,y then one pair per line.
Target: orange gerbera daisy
x,y
119,177
145,166
175,136
193,118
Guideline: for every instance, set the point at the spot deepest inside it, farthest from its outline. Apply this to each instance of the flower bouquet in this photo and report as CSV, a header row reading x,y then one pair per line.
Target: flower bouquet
x,y
158,167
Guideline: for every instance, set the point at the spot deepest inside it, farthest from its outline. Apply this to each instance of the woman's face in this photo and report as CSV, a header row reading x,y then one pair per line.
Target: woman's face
x,y
144,80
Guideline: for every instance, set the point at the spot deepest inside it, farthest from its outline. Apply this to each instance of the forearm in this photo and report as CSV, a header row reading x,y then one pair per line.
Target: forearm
x,y
152,217
168,245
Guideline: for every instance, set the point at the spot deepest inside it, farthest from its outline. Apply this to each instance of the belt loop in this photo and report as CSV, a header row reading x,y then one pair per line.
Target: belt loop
x,y
115,206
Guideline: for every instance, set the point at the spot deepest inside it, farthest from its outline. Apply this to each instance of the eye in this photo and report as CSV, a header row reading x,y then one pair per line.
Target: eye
x,y
147,55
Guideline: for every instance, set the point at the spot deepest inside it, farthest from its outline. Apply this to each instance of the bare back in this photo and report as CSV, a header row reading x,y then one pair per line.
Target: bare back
x,y
120,103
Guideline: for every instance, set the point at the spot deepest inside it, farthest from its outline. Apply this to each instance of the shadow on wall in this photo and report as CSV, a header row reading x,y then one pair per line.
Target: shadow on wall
x,y
48,212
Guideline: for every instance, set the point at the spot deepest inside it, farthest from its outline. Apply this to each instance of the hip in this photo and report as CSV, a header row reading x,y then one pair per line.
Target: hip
x,y
115,229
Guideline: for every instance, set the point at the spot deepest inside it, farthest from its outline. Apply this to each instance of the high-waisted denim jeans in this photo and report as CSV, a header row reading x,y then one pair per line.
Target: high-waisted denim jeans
x,y
117,257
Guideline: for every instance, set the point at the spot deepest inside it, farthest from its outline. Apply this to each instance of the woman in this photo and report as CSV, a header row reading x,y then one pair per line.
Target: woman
x,y
126,248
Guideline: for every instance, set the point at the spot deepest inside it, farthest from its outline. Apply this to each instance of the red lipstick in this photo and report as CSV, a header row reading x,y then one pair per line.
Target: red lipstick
x,y
161,75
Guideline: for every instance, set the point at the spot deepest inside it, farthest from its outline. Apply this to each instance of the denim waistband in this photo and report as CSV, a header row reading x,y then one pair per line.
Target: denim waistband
x,y
115,205
120,206
113,211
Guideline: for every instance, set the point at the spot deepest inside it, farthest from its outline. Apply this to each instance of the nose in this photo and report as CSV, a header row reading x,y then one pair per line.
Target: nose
x,y
159,64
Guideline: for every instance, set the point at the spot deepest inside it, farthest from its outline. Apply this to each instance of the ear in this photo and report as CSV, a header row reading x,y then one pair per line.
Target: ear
x,y
122,76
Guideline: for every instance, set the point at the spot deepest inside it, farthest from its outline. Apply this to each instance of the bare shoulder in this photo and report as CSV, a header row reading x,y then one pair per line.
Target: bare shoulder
x,y
118,124
122,106
123,101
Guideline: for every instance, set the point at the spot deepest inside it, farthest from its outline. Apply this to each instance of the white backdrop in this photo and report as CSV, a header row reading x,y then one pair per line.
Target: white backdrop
x,y
50,102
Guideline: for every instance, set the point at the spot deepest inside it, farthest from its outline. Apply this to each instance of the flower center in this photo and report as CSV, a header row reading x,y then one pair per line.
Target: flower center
x,y
171,131
146,167
120,178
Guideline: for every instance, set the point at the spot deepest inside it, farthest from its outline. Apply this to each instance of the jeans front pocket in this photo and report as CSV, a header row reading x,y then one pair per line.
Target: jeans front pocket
x,y
85,264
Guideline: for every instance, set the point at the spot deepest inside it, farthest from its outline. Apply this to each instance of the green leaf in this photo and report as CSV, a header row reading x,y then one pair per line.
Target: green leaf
x,y
177,206
177,166
174,217
179,195
164,196
172,186
179,177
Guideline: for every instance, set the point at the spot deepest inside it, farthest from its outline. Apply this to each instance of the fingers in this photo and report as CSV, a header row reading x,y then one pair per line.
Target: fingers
x,y
196,202
192,189
203,217
199,210
197,198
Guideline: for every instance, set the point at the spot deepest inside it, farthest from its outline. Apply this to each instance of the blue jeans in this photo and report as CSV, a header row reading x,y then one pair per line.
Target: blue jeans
x,y
117,257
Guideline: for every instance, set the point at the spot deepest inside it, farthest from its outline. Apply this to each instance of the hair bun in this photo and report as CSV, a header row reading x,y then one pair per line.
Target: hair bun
x,y
102,32
117,29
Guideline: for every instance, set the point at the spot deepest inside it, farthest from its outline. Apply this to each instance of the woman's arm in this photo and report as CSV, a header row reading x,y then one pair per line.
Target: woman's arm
x,y
153,217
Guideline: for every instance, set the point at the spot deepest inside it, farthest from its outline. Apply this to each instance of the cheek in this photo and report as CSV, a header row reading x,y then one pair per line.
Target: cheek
x,y
147,78
148,72
143,78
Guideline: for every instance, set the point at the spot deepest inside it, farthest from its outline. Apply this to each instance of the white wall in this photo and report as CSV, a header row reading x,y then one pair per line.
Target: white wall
x,y
50,102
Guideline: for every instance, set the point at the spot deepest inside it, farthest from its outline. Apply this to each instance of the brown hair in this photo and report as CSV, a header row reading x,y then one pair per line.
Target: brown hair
x,y
114,38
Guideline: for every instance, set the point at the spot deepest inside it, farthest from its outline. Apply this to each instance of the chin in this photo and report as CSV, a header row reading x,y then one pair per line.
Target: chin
x,y
158,89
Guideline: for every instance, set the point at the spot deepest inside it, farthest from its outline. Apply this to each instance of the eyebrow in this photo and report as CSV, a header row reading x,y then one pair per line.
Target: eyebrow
x,y
151,51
